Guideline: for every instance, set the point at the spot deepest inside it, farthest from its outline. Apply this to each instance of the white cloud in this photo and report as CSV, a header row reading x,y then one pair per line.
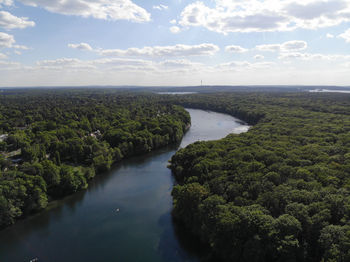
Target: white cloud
x,y
99,9
345,35
244,66
160,7
175,29
177,63
127,71
139,63
235,49
178,50
173,22
6,2
23,47
59,62
120,65
329,35
65,63
295,56
161,51
263,65
8,65
259,57
81,46
9,21
310,56
294,45
6,40
265,15
309,10
3,56
233,65
290,46
183,65
269,48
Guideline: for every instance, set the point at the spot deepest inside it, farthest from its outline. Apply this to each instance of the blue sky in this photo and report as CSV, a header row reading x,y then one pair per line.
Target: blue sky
x,y
178,42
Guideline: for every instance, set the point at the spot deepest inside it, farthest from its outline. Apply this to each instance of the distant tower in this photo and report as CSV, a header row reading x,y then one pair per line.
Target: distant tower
x,y
201,82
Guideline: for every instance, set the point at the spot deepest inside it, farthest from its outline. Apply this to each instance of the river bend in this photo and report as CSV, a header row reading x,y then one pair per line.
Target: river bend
x,y
87,227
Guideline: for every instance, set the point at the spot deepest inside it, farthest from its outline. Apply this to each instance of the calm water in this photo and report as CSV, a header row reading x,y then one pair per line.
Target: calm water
x,y
176,93
329,91
86,227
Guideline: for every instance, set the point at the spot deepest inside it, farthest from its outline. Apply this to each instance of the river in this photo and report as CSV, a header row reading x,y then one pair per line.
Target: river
x,y
87,226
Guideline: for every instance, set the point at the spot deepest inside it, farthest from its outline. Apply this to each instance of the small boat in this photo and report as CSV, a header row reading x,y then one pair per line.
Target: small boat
x,y
34,260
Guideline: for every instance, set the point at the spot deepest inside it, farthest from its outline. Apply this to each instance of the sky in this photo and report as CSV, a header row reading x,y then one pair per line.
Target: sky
x,y
174,42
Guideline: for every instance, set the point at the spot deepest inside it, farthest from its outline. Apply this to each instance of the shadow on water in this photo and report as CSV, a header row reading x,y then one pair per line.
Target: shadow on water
x,y
54,211
40,222
178,244
172,246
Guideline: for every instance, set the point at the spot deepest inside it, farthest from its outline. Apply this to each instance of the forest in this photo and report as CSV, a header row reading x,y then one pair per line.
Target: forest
x,y
280,192
53,142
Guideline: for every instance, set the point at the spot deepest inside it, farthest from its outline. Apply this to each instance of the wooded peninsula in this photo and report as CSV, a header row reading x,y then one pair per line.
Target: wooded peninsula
x,y
280,192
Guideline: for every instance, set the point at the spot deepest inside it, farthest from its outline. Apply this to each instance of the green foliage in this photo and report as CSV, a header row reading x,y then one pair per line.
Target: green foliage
x,y
21,194
60,139
72,181
280,192
51,173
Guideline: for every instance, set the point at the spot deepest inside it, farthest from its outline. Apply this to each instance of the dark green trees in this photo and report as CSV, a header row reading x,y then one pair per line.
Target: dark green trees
x,y
59,140
277,193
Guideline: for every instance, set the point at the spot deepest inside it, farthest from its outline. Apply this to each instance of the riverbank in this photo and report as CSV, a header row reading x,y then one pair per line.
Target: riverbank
x,y
85,226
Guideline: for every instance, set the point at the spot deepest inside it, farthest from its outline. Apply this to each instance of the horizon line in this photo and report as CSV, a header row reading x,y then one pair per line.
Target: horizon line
x,y
168,86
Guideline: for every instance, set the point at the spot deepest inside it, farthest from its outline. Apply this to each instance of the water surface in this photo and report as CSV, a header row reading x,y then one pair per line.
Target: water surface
x,y
176,93
87,227
329,91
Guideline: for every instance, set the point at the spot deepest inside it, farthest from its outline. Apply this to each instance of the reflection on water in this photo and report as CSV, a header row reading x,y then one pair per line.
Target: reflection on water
x,y
176,93
329,91
86,226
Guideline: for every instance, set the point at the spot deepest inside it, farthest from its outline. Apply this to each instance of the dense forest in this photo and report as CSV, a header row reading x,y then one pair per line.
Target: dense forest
x,y
280,192
52,142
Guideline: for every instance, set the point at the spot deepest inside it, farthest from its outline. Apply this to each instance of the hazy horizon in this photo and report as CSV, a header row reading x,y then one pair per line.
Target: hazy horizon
x,y
321,87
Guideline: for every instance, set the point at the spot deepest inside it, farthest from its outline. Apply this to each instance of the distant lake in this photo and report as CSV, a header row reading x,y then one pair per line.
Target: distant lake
x,y
88,227
176,93
329,91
